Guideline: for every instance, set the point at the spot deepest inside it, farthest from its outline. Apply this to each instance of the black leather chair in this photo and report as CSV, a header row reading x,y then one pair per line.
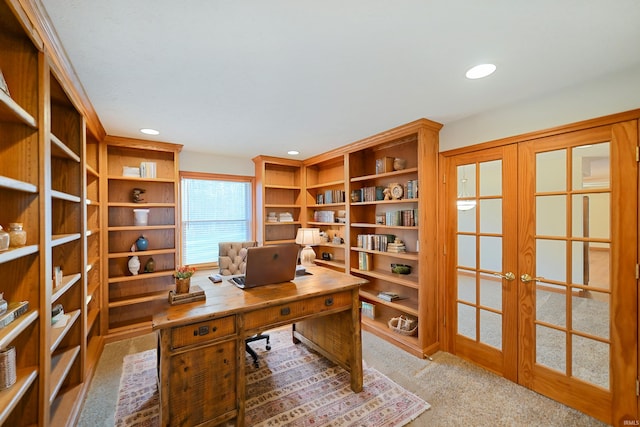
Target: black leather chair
x,y
232,260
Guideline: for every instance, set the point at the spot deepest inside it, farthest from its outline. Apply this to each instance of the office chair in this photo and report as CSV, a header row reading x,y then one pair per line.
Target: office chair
x,y
232,260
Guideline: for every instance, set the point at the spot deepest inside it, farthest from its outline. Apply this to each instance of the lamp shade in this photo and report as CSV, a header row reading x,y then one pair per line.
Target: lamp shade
x,y
308,237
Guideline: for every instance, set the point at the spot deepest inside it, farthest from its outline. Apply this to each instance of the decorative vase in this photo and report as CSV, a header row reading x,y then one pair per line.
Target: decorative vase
x,y
142,243
140,217
183,285
134,265
17,236
150,266
399,164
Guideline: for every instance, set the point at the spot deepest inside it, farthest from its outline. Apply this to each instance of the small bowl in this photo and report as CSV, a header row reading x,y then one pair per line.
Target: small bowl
x,y
401,268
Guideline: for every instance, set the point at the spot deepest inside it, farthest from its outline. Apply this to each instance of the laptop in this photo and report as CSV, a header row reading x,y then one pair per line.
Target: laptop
x,y
266,265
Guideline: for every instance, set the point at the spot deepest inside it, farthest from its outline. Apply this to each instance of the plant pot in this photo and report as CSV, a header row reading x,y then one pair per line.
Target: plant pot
x,y
183,285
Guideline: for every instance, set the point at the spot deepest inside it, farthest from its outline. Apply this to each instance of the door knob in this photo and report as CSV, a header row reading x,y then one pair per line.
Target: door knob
x,y
506,276
526,278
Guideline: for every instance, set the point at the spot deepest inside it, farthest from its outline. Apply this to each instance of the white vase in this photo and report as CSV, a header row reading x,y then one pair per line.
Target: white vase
x,y
134,265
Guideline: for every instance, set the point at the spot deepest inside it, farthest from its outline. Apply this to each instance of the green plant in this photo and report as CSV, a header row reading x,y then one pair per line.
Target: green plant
x,y
184,272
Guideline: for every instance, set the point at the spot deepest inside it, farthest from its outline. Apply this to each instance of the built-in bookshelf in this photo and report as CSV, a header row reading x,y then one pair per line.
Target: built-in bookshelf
x,y
279,199
326,202
132,299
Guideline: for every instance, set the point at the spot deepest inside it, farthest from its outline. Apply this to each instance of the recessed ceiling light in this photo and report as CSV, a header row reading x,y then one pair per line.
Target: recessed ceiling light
x,y
293,152
150,131
480,71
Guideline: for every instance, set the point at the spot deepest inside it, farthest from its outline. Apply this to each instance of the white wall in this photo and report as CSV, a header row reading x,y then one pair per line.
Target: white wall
x,y
212,163
610,94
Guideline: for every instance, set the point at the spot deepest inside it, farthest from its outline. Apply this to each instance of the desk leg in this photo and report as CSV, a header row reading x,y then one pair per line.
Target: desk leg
x,y
356,344
163,374
241,383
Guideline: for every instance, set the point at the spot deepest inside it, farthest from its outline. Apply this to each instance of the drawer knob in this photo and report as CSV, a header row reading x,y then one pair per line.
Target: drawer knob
x,y
285,311
328,302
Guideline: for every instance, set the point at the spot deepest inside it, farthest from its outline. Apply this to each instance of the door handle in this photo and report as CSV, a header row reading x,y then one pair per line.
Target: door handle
x,y
526,278
506,276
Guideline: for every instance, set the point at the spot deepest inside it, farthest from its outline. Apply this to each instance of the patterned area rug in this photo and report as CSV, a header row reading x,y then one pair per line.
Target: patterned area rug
x,y
293,386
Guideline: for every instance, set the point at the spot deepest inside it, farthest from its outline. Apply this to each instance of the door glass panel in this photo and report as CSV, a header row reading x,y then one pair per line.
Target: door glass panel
x,y
551,348
491,178
591,166
467,180
590,313
467,251
551,214
490,216
491,253
551,171
550,259
491,328
491,291
551,304
467,221
467,321
589,357
466,286
591,215
591,264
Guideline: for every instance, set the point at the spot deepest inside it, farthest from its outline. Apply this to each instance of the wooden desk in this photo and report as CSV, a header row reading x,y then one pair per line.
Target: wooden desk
x,y
201,345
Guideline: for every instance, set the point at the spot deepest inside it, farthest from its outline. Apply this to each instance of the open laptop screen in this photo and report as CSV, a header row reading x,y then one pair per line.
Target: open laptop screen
x,y
266,265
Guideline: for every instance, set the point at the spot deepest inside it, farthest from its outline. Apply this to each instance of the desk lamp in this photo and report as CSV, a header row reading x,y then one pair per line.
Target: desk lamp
x,y
308,237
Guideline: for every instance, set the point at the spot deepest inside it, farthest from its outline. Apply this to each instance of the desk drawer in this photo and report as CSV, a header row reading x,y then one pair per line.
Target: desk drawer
x,y
197,333
296,309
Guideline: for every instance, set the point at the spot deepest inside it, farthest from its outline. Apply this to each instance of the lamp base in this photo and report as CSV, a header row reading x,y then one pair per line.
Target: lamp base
x,y
307,256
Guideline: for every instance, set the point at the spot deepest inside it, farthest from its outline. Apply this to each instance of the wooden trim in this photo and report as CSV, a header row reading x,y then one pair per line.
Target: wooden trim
x,y
142,144
558,130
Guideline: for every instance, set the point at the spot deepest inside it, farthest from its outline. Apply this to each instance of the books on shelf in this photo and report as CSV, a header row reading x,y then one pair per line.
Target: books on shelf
x,y
15,310
404,218
411,189
368,309
148,169
388,296
375,242
330,196
364,261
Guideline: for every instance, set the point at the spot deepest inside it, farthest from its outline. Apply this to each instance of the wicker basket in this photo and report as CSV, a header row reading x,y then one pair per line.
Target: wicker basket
x,y
404,326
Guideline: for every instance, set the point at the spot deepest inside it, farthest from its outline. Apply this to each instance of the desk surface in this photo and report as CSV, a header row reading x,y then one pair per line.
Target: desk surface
x,y
224,298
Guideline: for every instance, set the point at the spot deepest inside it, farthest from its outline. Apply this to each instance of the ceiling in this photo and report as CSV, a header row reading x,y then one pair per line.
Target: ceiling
x,y
247,77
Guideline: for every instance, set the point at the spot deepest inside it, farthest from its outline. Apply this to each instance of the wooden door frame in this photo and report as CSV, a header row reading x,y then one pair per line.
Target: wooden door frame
x,y
621,410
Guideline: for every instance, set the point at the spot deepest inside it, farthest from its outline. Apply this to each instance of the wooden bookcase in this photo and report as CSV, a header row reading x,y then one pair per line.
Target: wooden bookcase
x,y
278,191
95,329
327,208
417,143
130,299
349,169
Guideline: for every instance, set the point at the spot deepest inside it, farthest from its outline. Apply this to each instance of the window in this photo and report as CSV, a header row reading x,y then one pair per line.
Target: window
x,y
215,208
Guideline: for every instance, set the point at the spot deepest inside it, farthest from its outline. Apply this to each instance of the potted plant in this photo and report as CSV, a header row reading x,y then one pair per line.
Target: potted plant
x,y
183,278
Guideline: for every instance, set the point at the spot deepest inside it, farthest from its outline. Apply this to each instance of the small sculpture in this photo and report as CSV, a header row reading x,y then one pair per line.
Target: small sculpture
x,y
136,195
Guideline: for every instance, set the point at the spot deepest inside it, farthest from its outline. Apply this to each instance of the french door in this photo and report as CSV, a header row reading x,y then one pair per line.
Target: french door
x,y
541,255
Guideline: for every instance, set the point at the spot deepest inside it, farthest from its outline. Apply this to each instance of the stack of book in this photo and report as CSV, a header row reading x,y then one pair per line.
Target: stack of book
x,y
388,296
396,247
15,310
148,169
195,294
412,189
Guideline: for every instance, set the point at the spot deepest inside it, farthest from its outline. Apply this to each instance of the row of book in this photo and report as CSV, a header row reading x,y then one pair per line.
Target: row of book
x,y
375,242
365,262
330,196
411,189
404,217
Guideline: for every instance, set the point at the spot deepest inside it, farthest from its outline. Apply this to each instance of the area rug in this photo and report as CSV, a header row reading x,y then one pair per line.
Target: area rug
x,y
294,386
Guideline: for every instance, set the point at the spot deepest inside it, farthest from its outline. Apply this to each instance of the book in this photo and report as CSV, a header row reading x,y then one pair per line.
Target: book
x,y
195,294
368,309
388,296
15,310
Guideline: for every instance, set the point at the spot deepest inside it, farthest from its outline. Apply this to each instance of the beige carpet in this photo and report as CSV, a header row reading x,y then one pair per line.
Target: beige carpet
x,y
293,386
459,393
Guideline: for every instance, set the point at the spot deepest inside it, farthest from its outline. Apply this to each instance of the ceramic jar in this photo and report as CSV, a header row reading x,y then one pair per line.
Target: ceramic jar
x,y
142,243
17,236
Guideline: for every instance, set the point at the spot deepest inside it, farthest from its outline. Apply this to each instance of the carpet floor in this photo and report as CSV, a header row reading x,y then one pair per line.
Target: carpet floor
x,y
293,386
460,393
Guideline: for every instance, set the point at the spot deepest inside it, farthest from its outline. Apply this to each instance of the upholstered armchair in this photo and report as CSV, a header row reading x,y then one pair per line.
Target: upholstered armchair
x,y
232,260
232,257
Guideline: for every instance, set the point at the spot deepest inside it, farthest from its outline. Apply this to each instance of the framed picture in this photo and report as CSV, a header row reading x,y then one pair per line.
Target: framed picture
x,y
3,84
